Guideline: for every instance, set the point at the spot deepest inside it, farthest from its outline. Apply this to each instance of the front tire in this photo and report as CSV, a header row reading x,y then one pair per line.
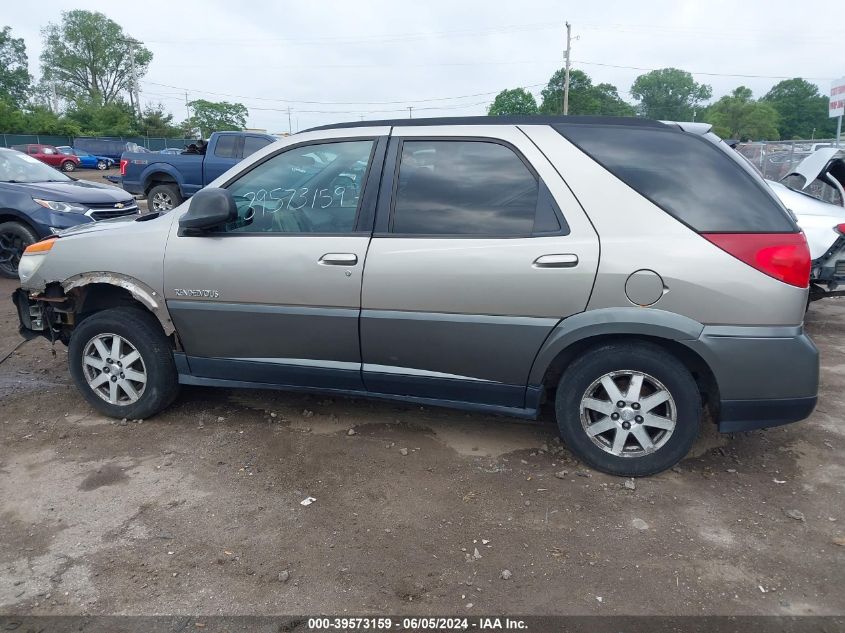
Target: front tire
x,y
14,238
102,165
122,363
68,165
164,198
628,409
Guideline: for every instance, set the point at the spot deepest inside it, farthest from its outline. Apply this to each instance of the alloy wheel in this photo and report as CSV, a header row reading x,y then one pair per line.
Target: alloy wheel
x,y
114,369
628,413
12,246
161,202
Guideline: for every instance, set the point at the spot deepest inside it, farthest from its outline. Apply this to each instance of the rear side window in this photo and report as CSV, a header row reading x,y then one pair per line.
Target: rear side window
x,y
463,188
225,147
686,175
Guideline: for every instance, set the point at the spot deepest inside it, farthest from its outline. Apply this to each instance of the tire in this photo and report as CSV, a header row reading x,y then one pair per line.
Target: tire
x,y
102,165
14,238
68,165
139,330
583,402
164,198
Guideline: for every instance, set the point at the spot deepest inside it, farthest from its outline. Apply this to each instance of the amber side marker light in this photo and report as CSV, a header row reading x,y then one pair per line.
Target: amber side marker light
x,y
40,247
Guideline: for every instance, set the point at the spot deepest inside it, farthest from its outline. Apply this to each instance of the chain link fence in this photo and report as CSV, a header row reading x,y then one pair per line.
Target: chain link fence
x,y
775,159
151,143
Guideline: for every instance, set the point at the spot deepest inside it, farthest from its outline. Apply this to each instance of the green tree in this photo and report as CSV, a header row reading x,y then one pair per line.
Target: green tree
x,y
216,116
156,121
584,97
802,109
739,116
670,94
515,101
98,119
88,55
14,69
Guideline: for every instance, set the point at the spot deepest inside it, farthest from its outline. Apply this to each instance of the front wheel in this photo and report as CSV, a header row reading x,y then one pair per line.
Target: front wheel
x,y
628,409
102,165
68,165
164,198
14,238
122,364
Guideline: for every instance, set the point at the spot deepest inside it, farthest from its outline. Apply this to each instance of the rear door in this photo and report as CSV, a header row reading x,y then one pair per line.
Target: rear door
x,y
226,153
479,250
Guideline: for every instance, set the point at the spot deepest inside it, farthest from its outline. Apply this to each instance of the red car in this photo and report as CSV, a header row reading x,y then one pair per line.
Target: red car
x,y
50,155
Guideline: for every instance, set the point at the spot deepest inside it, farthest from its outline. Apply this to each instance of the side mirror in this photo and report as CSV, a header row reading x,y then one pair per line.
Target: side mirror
x,y
209,208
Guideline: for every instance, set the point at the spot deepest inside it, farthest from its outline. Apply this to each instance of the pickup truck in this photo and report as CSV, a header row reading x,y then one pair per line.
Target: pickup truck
x,y
168,179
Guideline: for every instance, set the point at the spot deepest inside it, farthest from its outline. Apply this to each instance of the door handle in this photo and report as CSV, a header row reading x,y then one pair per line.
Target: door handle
x,y
339,259
568,260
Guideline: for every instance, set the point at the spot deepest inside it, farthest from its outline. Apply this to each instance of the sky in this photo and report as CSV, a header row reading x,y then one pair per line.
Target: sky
x,y
330,61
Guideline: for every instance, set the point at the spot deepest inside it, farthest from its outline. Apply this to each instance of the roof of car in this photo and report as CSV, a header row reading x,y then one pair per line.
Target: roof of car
x,y
500,120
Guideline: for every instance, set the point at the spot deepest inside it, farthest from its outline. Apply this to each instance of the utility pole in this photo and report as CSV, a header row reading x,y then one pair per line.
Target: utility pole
x,y
133,89
290,129
566,74
410,112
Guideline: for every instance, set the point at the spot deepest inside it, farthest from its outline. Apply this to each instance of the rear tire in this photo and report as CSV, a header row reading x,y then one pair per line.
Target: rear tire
x,y
137,378
657,424
68,165
164,198
14,238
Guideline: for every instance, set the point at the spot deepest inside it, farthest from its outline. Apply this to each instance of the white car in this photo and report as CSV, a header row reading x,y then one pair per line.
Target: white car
x,y
815,193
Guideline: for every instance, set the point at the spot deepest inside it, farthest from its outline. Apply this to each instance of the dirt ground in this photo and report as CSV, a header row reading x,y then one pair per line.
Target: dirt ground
x,y
417,511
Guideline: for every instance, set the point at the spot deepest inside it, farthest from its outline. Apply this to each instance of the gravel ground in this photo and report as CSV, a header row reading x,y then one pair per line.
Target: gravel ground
x,y
417,510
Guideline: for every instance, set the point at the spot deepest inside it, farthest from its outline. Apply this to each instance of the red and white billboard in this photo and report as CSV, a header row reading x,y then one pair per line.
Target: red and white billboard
x,y
837,97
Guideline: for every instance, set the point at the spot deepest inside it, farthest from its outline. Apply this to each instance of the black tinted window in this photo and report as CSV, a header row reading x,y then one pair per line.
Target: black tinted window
x,y
254,143
686,175
463,188
225,147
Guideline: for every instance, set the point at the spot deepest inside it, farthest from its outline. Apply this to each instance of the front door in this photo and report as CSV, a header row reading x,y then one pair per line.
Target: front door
x,y
275,297
479,250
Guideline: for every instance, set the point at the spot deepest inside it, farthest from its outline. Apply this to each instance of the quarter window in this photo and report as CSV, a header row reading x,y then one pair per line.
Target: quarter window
x,y
463,188
308,189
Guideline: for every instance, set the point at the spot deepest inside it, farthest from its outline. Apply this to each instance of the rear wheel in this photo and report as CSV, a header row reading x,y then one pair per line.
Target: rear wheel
x,y
122,364
164,198
68,165
629,409
14,238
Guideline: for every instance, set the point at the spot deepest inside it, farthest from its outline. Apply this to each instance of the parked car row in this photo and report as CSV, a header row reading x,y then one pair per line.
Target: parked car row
x,y
65,157
626,274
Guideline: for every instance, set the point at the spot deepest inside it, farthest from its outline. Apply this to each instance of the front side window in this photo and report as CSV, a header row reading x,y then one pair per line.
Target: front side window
x,y
463,188
308,189
254,143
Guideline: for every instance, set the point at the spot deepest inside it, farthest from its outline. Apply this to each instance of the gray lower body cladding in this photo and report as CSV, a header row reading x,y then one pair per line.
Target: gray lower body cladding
x,y
766,376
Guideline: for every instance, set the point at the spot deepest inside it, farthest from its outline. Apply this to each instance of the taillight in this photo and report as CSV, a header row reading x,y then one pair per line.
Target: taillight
x,y
840,228
784,256
123,167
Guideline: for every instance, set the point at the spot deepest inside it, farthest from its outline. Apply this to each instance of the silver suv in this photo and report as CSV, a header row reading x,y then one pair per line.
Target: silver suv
x,y
630,273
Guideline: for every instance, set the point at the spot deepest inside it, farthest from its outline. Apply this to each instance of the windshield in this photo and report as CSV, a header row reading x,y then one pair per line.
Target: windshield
x,y
17,167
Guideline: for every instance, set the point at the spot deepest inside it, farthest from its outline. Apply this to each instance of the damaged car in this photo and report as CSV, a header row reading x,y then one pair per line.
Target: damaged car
x,y
593,267
814,191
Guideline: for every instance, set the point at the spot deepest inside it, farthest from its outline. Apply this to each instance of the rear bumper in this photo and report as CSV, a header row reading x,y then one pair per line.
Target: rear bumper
x,y
133,187
747,415
766,376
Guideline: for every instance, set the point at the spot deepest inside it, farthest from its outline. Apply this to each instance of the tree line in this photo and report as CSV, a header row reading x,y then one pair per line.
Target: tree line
x,y
792,109
85,86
